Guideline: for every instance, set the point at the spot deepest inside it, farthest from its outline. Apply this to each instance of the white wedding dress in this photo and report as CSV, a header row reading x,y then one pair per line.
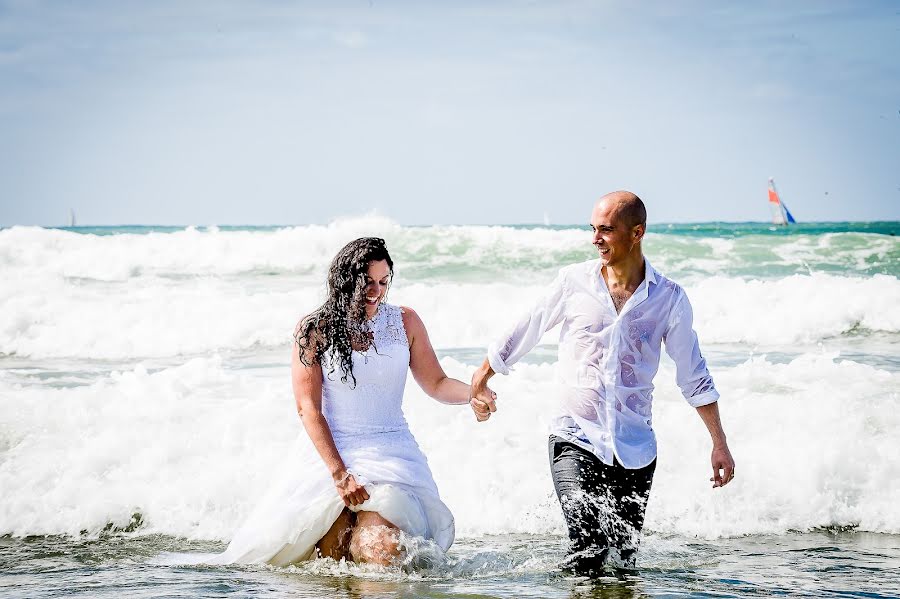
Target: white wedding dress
x,y
374,441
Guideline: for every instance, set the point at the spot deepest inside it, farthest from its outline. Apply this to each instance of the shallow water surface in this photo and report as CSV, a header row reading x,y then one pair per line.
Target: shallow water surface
x,y
810,564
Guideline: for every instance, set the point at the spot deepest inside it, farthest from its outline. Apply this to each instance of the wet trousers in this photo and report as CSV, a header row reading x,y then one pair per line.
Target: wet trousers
x,y
603,505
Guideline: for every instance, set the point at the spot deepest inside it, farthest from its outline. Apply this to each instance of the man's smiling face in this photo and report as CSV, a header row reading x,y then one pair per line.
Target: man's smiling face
x,y
612,235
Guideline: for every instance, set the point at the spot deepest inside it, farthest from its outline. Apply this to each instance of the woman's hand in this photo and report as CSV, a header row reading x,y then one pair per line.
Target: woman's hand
x,y
350,491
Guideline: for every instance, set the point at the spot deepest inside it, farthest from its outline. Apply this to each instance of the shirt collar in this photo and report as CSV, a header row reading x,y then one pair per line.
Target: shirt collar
x,y
642,292
650,274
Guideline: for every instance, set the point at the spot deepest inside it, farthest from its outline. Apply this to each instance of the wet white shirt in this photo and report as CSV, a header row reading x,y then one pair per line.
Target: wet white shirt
x,y
607,361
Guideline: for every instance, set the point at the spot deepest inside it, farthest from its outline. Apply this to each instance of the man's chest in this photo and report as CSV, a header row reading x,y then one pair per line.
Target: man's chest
x,y
619,297
636,319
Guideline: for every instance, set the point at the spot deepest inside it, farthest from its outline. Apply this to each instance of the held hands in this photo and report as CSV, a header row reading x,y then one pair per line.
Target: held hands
x,y
350,491
483,404
722,465
483,398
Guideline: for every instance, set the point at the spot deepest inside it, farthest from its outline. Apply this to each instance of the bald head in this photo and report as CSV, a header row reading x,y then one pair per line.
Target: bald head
x,y
628,207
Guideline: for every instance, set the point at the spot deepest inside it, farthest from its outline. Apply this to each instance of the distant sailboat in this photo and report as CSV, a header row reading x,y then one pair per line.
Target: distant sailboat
x,y
780,213
71,218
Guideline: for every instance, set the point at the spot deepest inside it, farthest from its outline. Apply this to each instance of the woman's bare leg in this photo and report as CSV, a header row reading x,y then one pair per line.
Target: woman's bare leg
x,y
336,542
374,540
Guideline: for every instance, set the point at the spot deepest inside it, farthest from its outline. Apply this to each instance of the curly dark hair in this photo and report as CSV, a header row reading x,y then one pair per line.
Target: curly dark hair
x,y
339,324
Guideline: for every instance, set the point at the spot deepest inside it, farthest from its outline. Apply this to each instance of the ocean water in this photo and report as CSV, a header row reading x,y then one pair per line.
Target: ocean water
x,y
145,403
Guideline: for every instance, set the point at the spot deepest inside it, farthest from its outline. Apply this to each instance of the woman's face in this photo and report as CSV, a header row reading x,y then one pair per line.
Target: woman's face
x,y
377,278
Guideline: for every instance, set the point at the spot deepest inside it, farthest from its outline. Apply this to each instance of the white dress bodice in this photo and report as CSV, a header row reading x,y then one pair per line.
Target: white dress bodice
x,y
374,405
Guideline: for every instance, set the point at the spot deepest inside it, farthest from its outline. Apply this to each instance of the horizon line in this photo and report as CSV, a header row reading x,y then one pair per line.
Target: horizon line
x,y
509,224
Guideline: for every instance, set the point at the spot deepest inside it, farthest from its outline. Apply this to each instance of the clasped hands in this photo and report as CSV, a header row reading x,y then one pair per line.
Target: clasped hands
x,y
483,399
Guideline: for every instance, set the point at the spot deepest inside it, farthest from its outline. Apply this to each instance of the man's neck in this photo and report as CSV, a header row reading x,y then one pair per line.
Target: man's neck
x,y
626,274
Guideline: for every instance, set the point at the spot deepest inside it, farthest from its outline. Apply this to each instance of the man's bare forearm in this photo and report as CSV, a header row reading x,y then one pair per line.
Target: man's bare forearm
x,y
721,460
482,376
710,416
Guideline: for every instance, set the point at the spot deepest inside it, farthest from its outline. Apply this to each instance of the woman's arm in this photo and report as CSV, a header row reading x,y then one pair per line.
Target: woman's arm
x,y
425,366
307,384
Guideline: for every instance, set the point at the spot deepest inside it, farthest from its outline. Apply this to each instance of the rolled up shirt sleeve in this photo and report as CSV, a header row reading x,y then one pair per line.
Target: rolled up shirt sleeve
x,y
528,330
683,347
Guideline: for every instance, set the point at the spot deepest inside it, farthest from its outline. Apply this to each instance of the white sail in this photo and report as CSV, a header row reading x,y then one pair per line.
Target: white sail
x,y
780,214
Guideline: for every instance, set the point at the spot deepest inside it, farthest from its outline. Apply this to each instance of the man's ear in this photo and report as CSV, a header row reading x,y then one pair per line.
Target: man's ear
x,y
637,232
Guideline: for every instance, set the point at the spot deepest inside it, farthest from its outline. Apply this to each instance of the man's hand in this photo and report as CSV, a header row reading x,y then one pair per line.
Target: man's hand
x,y
722,462
483,400
722,465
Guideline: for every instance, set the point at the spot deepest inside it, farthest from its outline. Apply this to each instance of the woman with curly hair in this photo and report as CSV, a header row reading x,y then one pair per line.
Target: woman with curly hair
x,y
363,479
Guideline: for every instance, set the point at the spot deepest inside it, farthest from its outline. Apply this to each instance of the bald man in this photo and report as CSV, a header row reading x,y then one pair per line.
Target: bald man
x,y
616,312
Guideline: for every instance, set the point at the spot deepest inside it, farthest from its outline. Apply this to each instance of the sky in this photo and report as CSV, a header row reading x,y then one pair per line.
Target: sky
x,y
178,112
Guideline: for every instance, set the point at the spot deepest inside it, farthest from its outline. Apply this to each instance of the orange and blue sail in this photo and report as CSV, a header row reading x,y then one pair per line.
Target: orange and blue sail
x,y
780,213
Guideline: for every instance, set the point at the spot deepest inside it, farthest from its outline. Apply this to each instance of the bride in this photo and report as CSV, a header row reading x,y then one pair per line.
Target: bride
x,y
360,478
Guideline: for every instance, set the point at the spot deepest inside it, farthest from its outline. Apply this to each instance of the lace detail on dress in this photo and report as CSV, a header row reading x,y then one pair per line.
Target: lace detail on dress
x,y
387,327
373,405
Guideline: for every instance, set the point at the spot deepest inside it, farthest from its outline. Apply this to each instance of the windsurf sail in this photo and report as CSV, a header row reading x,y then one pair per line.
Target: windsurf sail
x,y
780,213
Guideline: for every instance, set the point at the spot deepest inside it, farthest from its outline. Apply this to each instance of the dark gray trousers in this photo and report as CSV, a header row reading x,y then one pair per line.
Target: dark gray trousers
x,y
603,505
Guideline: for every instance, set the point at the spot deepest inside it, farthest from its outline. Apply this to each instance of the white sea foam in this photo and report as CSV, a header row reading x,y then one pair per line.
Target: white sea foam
x,y
187,252
185,447
798,308
192,447
815,441
156,317
146,319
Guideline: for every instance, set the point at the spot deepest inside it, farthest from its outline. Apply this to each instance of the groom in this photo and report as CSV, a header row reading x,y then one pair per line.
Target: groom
x,y
615,312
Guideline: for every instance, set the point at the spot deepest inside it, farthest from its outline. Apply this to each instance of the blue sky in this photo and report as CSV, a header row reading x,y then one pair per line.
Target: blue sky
x,y
179,112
